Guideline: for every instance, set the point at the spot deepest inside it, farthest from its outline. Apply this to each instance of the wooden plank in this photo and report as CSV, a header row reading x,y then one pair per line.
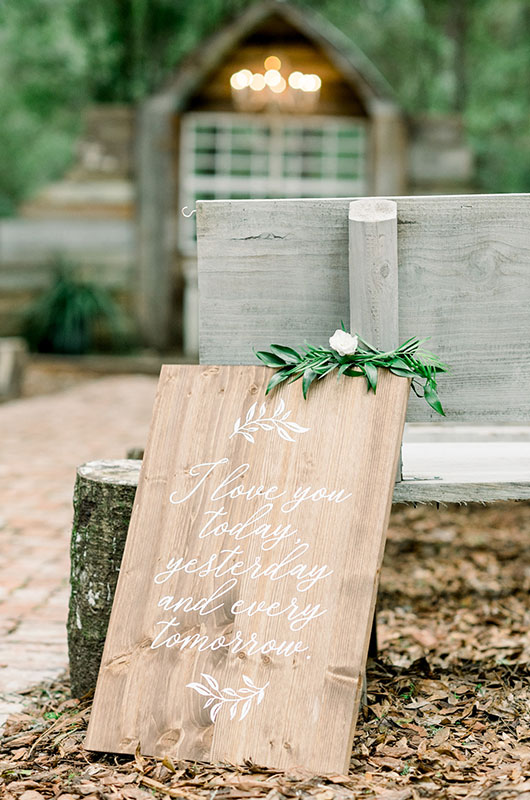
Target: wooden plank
x,y
348,442
25,241
373,271
156,218
445,491
276,271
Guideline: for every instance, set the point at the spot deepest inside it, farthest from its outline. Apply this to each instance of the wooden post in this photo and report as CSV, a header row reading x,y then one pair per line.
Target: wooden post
x,y
13,360
373,269
103,501
156,219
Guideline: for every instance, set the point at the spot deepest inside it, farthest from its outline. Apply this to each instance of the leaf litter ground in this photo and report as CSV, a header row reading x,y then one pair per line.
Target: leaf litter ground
x,y
448,699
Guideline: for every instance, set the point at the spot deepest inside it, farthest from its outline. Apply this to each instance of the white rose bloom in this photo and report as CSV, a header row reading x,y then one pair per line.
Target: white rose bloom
x,y
343,343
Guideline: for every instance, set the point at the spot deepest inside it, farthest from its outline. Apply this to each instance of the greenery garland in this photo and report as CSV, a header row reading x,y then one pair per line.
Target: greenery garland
x,y
351,355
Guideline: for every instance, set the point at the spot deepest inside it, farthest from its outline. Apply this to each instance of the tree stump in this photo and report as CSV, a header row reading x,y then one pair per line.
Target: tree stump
x,y
103,501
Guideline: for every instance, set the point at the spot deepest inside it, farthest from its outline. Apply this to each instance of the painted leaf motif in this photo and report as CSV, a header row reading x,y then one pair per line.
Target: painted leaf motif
x,y
248,681
280,407
285,435
237,425
247,436
246,708
229,692
209,702
199,688
210,681
262,410
250,412
294,426
214,712
233,710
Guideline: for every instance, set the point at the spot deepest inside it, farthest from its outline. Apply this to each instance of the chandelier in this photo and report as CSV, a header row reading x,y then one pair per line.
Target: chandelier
x,y
275,87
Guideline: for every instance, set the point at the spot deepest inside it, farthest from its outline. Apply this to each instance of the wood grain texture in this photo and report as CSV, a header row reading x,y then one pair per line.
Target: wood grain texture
x,y
445,491
308,713
373,271
277,271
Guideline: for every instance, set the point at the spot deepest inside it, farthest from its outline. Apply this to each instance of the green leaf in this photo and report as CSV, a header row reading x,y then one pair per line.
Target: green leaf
x,y
328,369
371,375
269,359
432,398
399,364
277,378
307,380
403,373
287,353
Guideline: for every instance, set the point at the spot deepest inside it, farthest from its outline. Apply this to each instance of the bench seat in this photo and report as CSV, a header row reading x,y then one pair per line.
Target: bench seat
x,y
464,463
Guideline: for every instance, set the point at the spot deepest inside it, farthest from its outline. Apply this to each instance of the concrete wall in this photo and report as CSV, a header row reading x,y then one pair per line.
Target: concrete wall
x,y
103,250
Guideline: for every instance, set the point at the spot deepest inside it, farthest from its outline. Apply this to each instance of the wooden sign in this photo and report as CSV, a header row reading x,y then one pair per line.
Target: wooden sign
x,y
243,609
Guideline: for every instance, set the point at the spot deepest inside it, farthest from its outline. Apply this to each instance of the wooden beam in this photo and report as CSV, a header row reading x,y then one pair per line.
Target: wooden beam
x,y
281,269
156,220
373,271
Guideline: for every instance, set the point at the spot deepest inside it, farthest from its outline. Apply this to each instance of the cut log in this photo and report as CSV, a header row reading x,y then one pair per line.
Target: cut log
x,y
103,501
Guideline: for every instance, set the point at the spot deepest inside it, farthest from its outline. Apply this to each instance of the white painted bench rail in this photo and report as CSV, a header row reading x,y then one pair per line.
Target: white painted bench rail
x,y
290,270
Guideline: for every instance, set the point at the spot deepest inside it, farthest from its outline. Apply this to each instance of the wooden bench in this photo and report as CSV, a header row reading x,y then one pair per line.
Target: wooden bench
x,y
288,270
458,270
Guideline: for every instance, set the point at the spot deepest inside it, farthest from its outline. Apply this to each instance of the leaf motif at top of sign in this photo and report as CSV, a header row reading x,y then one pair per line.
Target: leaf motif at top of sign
x,y
246,695
278,422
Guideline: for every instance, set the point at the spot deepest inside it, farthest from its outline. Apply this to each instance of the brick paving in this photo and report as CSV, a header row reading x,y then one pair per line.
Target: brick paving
x,y
42,441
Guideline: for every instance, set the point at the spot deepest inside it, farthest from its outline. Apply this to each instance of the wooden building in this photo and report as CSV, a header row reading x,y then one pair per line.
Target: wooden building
x,y
277,104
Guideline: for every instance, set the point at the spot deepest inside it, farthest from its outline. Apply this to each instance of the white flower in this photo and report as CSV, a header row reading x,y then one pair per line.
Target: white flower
x,y
343,343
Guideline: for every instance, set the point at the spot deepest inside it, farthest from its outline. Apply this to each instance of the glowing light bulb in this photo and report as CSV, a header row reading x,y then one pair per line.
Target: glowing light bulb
x,y
294,79
272,78
240,80
310,83
279,87
272,62
257,82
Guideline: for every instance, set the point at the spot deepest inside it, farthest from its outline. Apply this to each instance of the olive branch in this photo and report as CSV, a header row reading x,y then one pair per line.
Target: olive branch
x,y
217,697
409,360
278,422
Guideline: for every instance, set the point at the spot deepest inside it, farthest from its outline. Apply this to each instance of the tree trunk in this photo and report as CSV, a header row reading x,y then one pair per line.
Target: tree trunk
x,y
103,501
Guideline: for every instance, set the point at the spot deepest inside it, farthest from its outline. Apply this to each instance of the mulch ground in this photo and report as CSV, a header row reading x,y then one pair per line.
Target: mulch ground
x,y
448,712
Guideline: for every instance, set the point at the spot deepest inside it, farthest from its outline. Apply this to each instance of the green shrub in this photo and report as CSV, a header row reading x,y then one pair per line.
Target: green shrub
x,y
75,317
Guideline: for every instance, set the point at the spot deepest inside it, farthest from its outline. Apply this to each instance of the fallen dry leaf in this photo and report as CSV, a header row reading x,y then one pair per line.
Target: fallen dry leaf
x,y
448,712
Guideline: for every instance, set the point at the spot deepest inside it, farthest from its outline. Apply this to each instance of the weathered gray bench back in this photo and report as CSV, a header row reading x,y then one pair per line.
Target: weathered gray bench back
x,y
277,271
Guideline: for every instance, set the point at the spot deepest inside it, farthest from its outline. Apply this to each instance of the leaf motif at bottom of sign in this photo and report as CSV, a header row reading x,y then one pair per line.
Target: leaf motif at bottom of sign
x,y
210,680
199,688
246,708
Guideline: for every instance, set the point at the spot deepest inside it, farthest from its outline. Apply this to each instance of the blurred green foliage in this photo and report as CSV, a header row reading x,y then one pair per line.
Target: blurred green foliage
x,y
75,317
463,56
